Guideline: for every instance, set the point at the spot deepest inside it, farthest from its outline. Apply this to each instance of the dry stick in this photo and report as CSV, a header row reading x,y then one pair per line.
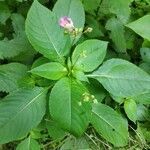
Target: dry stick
x,y
100,140
139,137
91,140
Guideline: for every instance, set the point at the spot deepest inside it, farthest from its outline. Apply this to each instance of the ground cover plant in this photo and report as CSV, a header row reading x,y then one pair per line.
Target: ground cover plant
x,y
74,74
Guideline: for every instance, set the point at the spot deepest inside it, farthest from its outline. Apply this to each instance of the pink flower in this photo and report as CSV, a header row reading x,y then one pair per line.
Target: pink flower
x,y
66,23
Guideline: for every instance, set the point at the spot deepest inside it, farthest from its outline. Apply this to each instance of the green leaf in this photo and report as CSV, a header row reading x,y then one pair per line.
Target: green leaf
x,y
54,130
18,22
109,124
10,74
39,61
67,106
91,5
12,48
122,78
117,34
72,9
143,113
52,71
28,144
20,112
145,53
130,108
145,67
121,8
76,144
89,55
96,89
141,26
44,33
142,98
4,12
79,75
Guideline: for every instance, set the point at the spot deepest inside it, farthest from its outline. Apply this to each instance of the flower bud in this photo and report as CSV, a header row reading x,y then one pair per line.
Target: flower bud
x,y
88,30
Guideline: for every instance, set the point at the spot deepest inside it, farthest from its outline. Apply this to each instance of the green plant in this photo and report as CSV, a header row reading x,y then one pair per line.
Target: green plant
x,y
74,84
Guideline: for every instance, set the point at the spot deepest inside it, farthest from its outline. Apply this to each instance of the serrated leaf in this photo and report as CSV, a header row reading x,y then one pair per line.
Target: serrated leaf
x,y
20,112
89,55
120,8
141,26
52,71
122,78
12,48
117,34
130,108
44,33
10,74
109,124
66,98
28,144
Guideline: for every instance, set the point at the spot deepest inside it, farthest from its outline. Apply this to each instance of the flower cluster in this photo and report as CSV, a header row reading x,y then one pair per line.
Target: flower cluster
x,y
67,23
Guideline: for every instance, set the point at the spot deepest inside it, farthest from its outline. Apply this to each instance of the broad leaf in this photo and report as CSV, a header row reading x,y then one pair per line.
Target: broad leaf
x,y
141,26
10,74
28,144
72,9
44,33
52,71
67,106
109,124
89,55
54,130
79,75
142,98
130,108
20,112
117,34
122,78
40,61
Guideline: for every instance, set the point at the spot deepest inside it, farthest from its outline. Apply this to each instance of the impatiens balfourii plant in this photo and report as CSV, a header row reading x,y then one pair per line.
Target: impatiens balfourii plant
x,y
65,94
